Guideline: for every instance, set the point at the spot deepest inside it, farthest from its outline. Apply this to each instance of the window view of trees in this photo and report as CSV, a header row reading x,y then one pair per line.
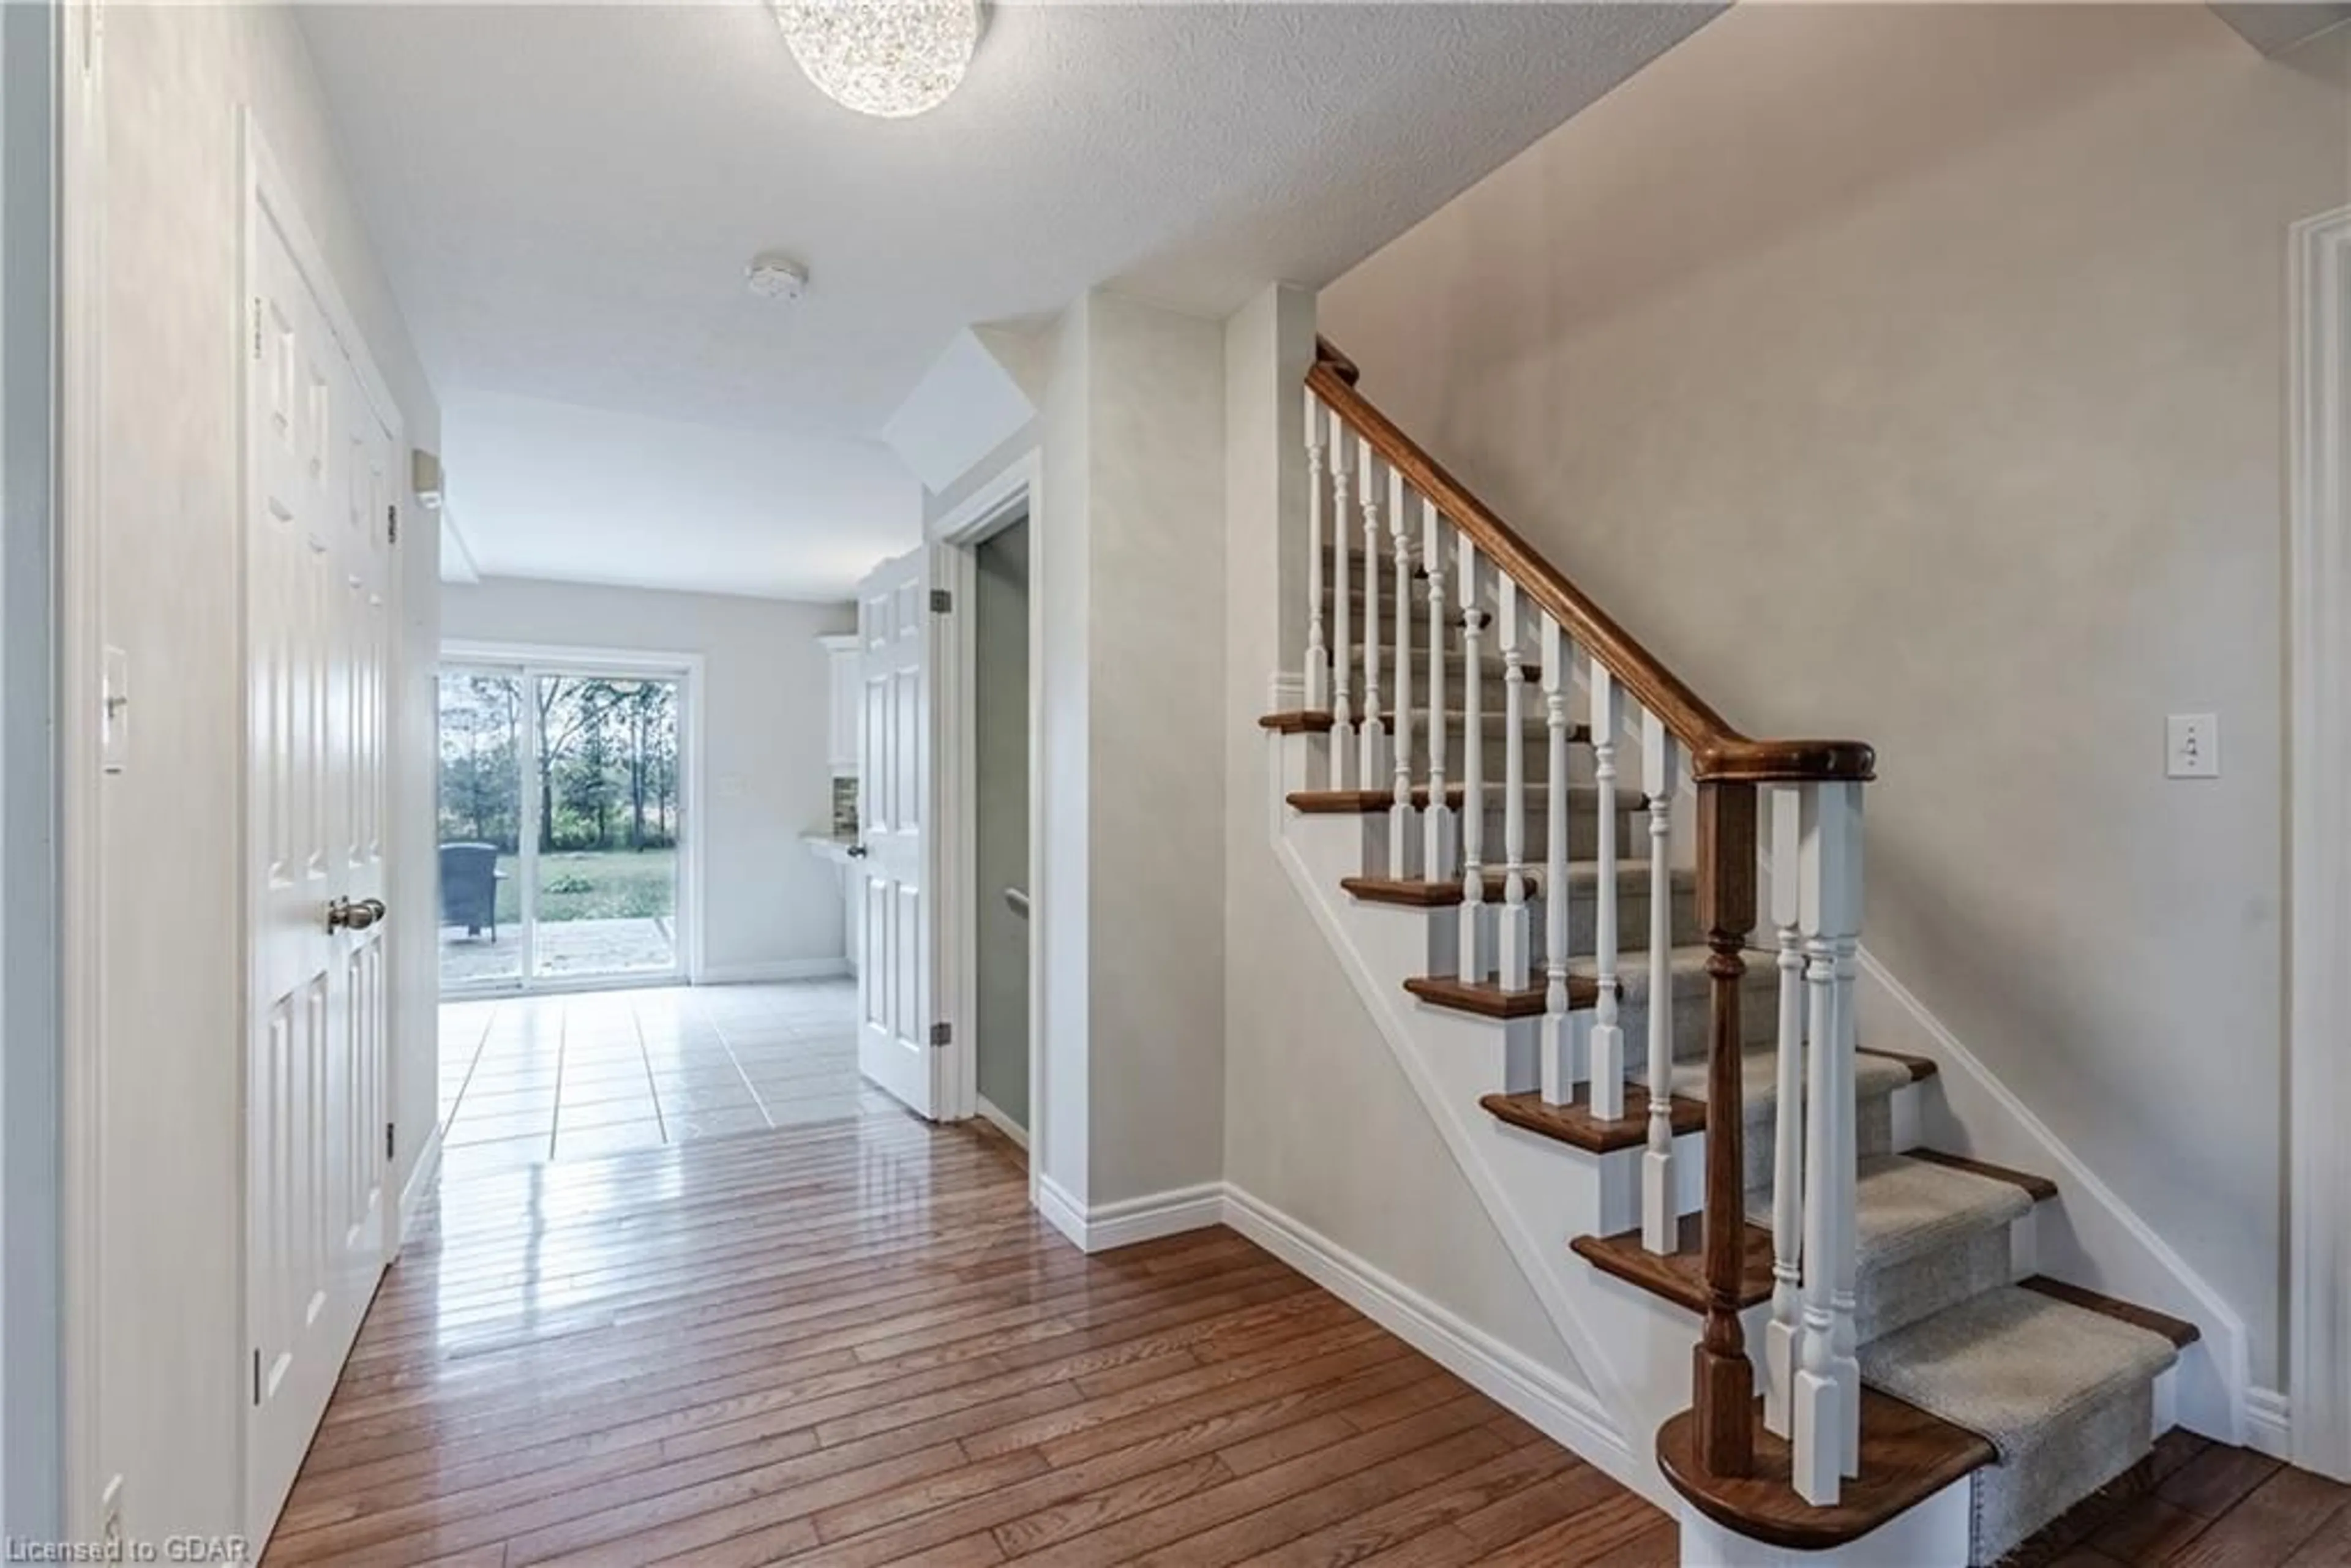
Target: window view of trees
x,y
607,765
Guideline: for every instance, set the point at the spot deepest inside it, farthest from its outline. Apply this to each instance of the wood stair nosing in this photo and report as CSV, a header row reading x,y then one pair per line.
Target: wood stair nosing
x,y
1487,999
1906,1456
1419,894
1575,1125
1680,1276
1362,802
1315,721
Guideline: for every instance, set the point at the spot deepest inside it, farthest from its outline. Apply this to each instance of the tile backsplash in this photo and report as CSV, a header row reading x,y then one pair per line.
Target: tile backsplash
x,y
844,808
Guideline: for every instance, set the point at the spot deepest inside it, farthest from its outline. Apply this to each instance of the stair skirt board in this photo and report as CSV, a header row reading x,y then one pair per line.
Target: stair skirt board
x,y
2103,1238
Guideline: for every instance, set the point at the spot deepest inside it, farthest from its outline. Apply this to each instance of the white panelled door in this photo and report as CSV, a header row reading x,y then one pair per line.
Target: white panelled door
x,y
319,468
895,978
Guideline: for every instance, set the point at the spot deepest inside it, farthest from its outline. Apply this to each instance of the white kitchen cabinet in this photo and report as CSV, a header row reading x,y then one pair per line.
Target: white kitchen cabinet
x,y
848,702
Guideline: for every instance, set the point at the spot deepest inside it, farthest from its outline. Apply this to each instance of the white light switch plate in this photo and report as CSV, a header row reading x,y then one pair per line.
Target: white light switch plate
x,y
2191,746
114,724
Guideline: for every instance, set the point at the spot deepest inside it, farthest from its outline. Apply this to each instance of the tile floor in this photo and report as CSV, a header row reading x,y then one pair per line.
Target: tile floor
x,y
526,1080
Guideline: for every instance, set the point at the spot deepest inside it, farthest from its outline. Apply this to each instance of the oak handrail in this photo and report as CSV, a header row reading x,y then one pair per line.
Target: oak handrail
x,y
1717,752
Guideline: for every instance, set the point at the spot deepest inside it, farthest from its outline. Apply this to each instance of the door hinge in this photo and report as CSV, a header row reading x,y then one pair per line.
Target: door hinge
x,y
392,523
942,602
943,1034
256,327
389,1145
256,1377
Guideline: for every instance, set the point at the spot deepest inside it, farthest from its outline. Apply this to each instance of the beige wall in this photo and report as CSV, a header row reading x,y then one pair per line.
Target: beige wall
x,y
1156,555
166,1327
1127,568
1916,374
768,905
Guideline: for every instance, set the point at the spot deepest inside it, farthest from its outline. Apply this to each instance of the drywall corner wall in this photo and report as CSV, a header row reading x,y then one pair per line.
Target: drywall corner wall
x,y
1128,907
166,1324
1060,914
1320,1124
1937,352
1156,563
766,902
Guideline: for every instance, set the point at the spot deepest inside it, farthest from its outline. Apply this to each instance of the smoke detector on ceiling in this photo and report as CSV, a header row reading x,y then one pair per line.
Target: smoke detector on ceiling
x,y
773,276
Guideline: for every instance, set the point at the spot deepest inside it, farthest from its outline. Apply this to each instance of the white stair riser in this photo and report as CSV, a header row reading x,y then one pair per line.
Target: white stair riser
x,y
1582,922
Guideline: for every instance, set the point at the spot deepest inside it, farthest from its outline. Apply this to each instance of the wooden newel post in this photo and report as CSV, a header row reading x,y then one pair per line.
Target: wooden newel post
x,y
1722,1383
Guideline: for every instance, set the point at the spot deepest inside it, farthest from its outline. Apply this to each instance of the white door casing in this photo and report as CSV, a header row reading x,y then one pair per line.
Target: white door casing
x,y
895,980
320,470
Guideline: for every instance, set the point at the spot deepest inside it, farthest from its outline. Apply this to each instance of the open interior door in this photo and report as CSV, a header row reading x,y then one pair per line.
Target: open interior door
x,y
319,485
896,981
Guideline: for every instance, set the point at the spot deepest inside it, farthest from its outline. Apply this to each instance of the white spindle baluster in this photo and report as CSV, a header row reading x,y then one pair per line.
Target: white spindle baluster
x,y
1607,1064
1318,651
1826,1407
1342,481
1436,820
1560,1068
1661,776
1473,772
1403,841
1788,1120
1843,801
1370,756
1515,937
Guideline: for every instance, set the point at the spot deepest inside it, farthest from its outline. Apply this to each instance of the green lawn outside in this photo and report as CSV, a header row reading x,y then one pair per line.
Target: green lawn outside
x,y
590,884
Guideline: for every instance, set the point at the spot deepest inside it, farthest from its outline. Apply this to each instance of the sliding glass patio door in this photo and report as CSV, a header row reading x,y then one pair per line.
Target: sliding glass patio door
x,y
562,804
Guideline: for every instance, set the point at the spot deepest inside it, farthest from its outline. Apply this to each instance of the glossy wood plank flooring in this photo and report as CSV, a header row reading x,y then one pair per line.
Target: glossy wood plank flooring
x,y
854,1343
2194,1503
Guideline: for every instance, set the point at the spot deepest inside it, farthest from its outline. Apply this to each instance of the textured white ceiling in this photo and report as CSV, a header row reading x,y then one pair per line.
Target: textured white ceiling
x,y
565,196
554,490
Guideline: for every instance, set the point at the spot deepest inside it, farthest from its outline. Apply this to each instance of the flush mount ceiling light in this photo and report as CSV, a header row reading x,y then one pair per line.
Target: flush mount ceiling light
x,y
772,275
887,58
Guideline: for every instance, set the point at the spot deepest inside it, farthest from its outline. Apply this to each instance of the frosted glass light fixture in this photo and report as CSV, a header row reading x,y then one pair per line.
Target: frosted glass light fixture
x,y
887,58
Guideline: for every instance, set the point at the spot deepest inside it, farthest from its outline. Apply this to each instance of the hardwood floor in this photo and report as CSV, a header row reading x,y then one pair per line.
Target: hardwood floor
x,y
2194,1503
852,1344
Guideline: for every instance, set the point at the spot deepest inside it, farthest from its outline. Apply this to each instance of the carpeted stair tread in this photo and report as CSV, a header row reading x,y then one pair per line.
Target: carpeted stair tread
x,y
1905,1210
2009,1362
1908,1209
2063,1394
1873,1075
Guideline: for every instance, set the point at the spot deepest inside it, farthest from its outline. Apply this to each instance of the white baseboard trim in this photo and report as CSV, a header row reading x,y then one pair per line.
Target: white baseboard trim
x,y
1566,1412
1099,1228
782,970
2269,1423
419,1187
995,1117
1062,1212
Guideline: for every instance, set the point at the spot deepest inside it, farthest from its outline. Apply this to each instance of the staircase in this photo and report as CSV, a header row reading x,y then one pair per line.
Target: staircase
x,y
1555,858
